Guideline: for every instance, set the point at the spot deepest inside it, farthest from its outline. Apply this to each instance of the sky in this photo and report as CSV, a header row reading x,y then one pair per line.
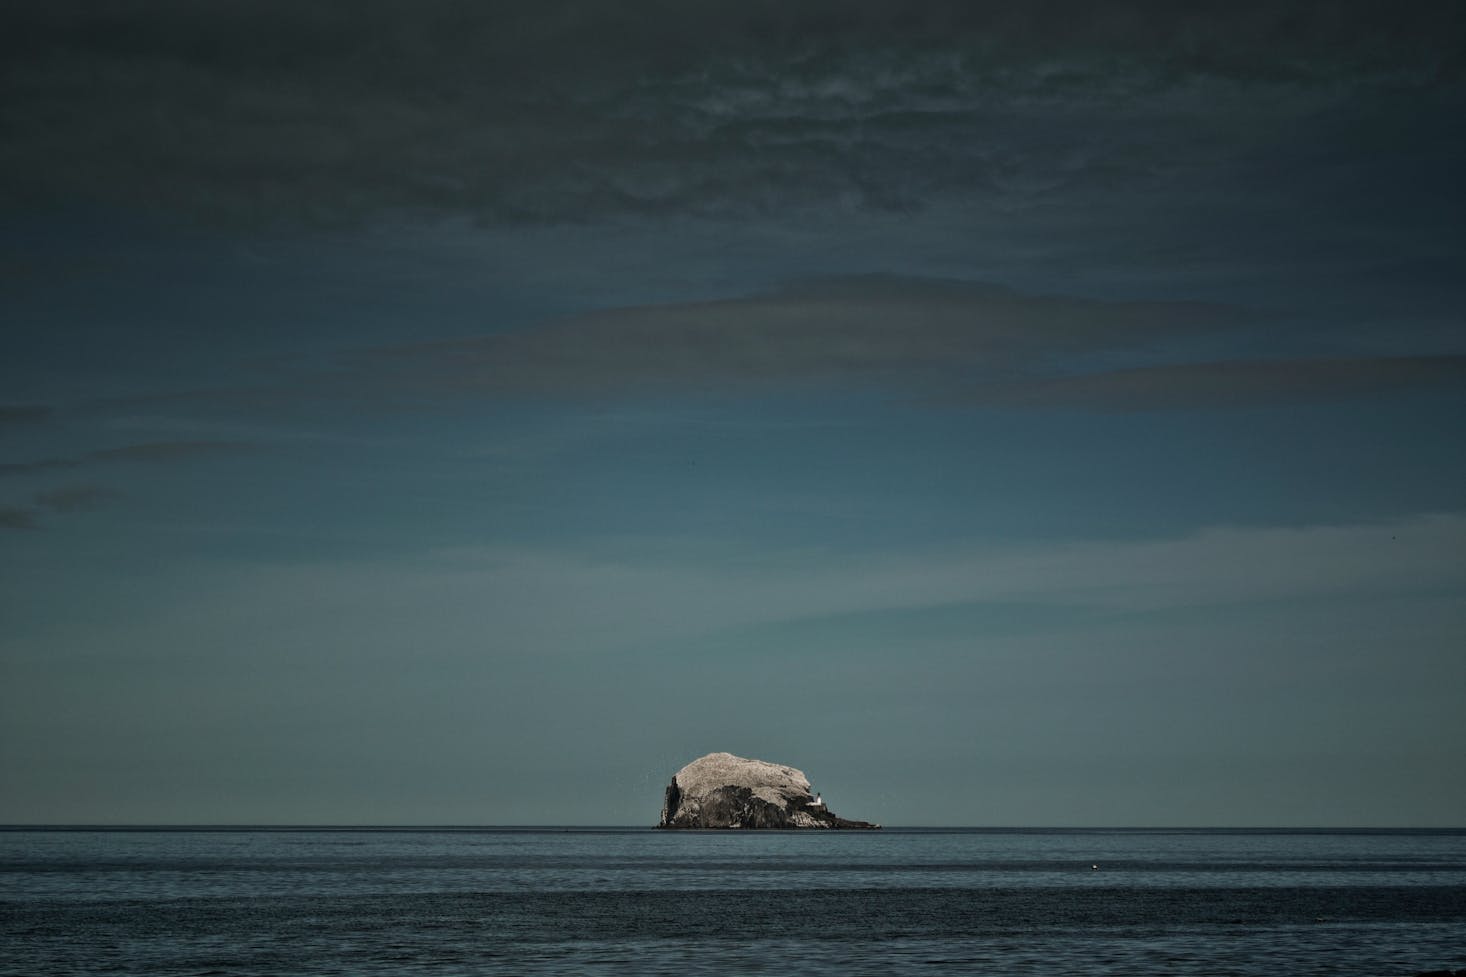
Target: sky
x,y
1042,414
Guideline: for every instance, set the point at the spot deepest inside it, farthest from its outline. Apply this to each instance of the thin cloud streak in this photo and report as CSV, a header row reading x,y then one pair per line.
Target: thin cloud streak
x,y
166,451
75,498
43,465
152,452
17,517
959,343
858,328
66,499
23,414
1232,383
932,343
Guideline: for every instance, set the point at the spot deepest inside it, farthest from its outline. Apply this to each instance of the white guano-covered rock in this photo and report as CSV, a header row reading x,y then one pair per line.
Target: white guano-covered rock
x,y
721,790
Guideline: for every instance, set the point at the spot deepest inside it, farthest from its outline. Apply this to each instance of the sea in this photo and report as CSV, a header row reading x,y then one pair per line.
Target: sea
x,y
469,901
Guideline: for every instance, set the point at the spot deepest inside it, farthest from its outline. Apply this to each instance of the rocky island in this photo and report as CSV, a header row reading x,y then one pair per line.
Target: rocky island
x,y
721,790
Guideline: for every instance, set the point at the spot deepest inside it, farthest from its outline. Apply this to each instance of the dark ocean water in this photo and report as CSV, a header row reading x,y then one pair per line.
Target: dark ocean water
x,y
630,901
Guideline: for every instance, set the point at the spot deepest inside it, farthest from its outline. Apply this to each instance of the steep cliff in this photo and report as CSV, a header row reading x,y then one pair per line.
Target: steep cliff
x,y
721,790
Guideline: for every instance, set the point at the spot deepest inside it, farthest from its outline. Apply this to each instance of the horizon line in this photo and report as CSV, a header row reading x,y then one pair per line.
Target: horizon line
x,y
588,828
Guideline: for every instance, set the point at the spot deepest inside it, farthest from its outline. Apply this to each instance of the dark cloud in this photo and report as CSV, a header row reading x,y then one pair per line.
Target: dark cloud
x,y
946,342
70,498
165,451
44,465
567,111
18,414
15,517
152,452
866,328
75,498
934,342
1238,383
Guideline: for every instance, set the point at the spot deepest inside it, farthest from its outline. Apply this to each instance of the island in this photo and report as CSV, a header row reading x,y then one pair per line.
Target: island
x,y
721,790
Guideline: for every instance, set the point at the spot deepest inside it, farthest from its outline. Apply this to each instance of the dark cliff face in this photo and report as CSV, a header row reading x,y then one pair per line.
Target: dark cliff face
x,y
736,807
670,803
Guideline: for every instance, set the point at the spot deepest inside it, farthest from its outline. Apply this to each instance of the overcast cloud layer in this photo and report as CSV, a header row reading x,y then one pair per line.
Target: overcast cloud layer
x,y
573,112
